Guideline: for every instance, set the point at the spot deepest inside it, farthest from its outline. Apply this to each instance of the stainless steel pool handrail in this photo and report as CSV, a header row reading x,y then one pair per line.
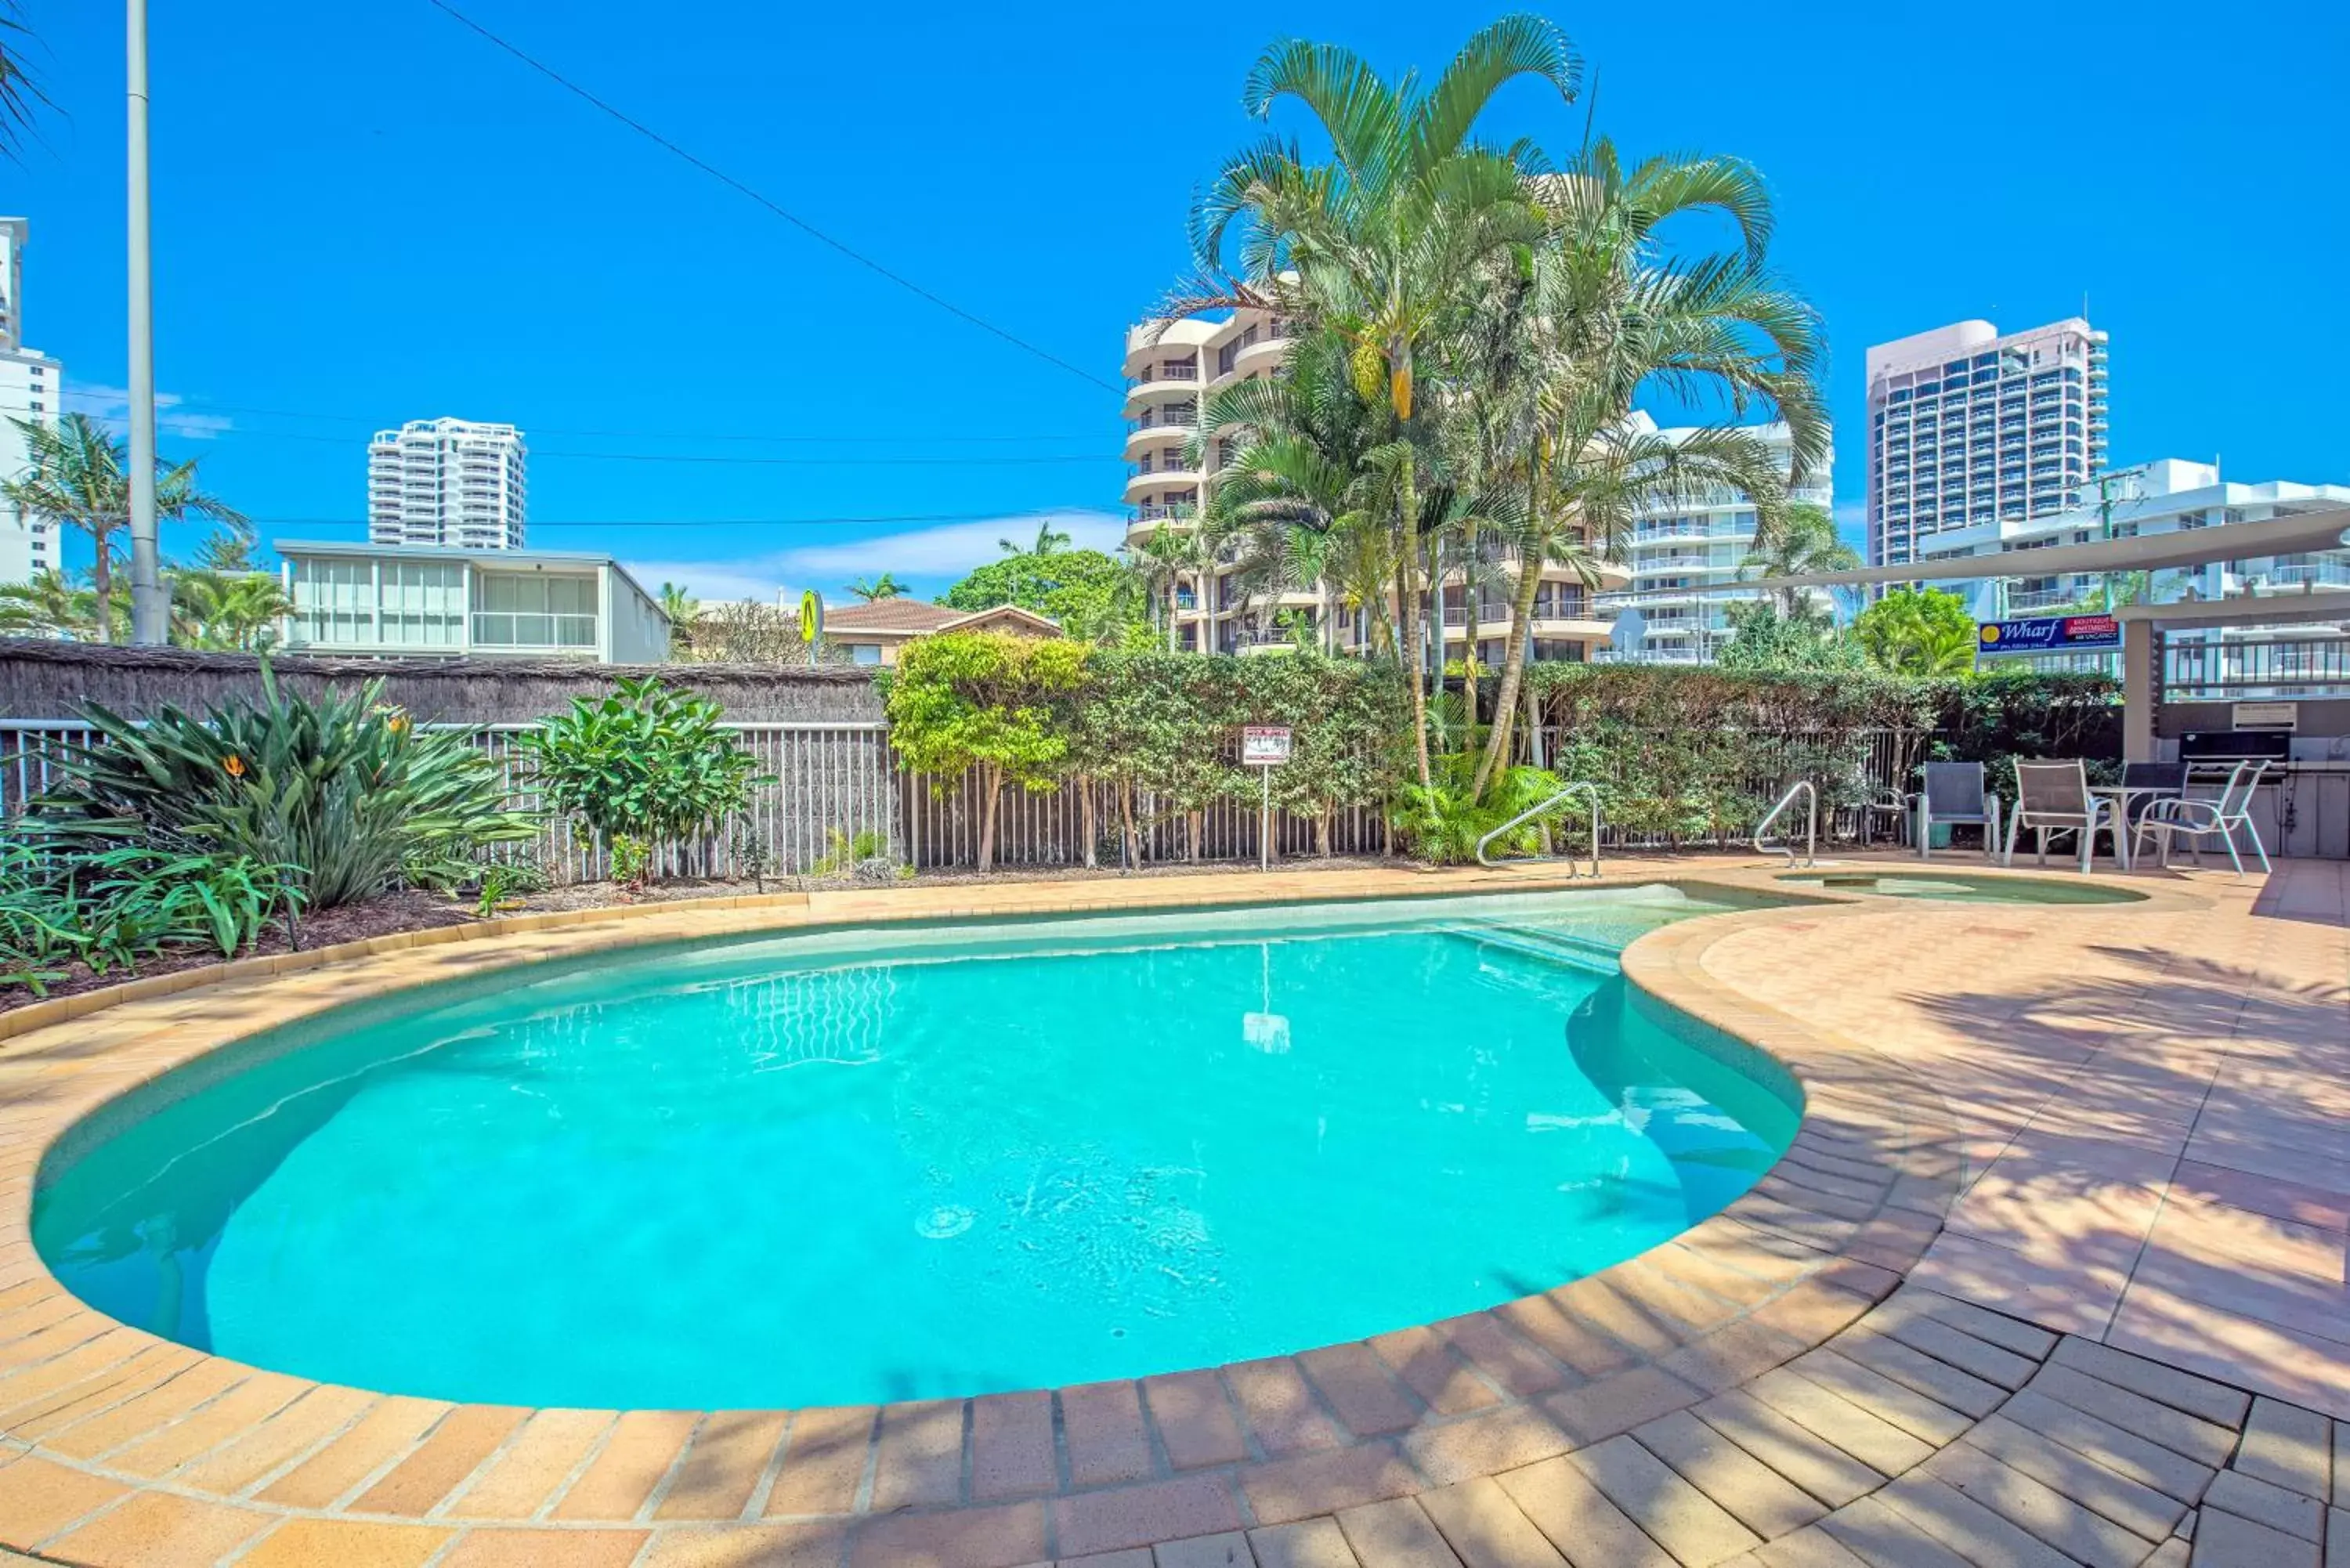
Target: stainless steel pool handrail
x,y
1578,785
1811,825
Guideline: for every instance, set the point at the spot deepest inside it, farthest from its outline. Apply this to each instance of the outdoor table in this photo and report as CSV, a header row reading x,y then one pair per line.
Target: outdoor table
x,y
2121,796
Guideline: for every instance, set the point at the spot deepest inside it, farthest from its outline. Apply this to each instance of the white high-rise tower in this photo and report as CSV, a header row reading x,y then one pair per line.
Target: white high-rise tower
x,y
449,483
1966,427
32,388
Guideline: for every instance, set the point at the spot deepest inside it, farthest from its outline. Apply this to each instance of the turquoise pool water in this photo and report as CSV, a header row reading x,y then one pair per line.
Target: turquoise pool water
x,y
897,1163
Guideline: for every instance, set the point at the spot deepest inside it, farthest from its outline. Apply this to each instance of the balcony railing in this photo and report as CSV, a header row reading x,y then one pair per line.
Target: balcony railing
x,y
2298,667
1176,370
1175,415
1161,512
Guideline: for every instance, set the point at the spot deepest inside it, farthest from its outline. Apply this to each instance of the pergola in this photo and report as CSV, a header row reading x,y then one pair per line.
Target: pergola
x,y
2143,627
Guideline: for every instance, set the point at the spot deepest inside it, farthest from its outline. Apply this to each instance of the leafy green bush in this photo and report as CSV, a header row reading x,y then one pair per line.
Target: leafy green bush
x,y
345,791
647,762
632,861
1443,823
110,908
986,701
503,880
845,850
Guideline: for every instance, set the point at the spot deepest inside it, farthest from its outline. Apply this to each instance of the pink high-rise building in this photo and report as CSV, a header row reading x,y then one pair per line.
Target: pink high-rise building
x,y
1968,426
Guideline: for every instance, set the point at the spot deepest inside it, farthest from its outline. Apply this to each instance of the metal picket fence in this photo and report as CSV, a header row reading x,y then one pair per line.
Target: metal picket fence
x,y
831,785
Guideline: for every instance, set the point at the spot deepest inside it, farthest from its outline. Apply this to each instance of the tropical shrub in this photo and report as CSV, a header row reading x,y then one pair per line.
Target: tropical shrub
x,y
647,762
503,882
345,792
110,908
1442,822
989,702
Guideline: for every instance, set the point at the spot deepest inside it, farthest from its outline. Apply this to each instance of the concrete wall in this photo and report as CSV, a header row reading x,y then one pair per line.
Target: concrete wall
x,y
41,679
636,631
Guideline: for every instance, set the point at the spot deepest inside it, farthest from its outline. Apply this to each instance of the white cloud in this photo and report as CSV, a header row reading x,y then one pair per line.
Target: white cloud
x,y
111,406
939,554
714,582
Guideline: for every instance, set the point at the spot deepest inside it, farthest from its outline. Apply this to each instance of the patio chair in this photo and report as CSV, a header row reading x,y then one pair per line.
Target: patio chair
x,y
2159,781
2053,797
1954,794
2195,820
1891,806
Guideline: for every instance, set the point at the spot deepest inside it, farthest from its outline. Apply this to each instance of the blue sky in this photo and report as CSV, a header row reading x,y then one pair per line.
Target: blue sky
x,y
366,213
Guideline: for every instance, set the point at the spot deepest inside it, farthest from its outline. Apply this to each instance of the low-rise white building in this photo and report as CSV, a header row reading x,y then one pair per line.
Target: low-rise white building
x,y
425,602
32,388
2159,497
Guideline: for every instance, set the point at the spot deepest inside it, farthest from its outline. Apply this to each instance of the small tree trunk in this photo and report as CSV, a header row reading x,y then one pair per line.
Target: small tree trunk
x,y
1126,822
1322,829
992,790
1195,831
1086,806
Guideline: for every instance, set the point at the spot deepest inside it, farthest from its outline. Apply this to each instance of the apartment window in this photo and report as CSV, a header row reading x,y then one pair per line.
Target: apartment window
x,y
334,602
513,609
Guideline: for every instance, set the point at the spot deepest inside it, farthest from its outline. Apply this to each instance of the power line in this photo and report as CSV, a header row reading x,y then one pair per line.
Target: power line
x,y
796,221
199,406
1009,520
1029,459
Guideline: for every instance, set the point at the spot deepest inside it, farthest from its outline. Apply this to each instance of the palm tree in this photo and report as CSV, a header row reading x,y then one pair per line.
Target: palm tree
x,y
1049,541
1386,243
1296,448
884,586
1806,542
1193,550
232,610
679,603
77,478
50,605
20,96
1563,345
1913,631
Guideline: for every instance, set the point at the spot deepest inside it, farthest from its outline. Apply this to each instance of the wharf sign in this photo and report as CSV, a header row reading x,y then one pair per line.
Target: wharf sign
x,y
2047,634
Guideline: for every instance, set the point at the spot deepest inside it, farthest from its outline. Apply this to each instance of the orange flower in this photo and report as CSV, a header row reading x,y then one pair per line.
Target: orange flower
x,y
235,766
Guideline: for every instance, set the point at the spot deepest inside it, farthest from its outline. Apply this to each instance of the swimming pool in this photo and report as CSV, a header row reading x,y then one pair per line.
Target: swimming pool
x,y
901,1162
1963,889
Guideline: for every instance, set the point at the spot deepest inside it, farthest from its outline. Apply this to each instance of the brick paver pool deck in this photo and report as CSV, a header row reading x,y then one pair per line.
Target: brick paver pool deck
x,y
2054,1273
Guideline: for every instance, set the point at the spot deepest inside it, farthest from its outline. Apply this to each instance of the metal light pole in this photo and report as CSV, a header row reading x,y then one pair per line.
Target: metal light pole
x,y
150,612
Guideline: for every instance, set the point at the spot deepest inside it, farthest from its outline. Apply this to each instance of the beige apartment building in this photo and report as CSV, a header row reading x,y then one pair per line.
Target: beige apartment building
x,y
1171,367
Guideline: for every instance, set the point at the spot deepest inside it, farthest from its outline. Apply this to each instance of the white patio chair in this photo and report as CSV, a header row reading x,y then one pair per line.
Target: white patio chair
x,y
2171,819
1954,794
2053,797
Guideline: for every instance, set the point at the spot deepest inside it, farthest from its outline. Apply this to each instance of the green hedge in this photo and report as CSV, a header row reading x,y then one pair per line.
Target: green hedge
x,y
1680,752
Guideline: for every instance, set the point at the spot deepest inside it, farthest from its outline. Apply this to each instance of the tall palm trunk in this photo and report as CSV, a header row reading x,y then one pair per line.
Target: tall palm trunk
x,y
1514,670
101,579
1415,654
1532,548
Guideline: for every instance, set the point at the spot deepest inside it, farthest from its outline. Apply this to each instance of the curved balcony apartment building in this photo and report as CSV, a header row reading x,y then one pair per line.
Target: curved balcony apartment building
x,y
1171,367
1688,564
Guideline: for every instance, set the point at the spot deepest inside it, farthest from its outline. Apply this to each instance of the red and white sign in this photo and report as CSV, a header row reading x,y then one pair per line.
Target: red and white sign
x,y
1264,745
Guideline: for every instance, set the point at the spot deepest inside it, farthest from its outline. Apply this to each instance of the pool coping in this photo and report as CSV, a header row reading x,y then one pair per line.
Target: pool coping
x,y
1010,1478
